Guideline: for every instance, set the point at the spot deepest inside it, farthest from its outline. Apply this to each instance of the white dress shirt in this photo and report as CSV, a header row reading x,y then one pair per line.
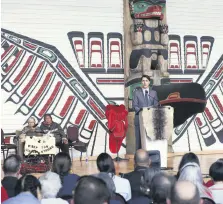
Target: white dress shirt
x,y
144,91
123,187
217,192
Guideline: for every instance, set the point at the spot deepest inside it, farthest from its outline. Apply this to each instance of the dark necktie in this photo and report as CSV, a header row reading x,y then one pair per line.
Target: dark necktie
x,y
146,98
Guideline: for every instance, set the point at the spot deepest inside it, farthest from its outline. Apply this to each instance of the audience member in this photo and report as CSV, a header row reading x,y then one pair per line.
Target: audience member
x,y
109,182
62,165
11,168
27,191
111,186
146,180
160,188
141,162
185,192
50,186
91,190
106,164
49,126
192,172
187,158
216,172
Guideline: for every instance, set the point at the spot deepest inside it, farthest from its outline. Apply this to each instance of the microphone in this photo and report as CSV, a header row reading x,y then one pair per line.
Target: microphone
x,y
153,98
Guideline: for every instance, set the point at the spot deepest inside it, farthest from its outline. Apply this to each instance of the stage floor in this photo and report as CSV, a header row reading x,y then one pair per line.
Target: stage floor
x,y
90,167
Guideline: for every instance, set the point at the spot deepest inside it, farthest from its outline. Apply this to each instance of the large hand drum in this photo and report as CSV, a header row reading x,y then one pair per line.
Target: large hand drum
x,y
156,127
44,145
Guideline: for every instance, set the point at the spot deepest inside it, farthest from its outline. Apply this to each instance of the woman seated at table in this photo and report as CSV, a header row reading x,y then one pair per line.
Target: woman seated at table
x,y
30,130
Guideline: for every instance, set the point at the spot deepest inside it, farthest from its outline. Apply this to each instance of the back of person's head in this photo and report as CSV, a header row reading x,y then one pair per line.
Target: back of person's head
x,y
12,165
146,179
108,180
216,170
50,184
181,196
105,163
189,158
161,186
141,158
28,183
62,164
91,190
192,172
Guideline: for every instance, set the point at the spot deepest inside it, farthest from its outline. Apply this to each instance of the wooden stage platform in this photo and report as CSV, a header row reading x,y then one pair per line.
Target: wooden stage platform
x,y
90,167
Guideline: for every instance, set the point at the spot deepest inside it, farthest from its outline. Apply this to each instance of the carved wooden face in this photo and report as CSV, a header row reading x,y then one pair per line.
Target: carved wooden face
x,y
147,9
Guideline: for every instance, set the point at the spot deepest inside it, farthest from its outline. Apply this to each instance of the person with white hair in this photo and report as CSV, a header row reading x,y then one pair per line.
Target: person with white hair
x,y
30,130
50,186
192,172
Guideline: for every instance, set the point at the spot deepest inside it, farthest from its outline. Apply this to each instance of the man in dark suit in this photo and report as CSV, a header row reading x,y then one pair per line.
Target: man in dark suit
x,y
142,162
11,168
142,97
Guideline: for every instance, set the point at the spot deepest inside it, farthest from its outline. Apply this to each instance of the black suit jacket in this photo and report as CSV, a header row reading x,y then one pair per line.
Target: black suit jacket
x,y
134,178
9,183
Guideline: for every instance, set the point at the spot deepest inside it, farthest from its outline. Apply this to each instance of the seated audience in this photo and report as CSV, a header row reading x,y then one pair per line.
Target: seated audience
x,y
141,163
185,192
145,186
192,172
62,166
216,172
106,164
190,158
11,168
91,190
27,191
187,158
30,130
49,126
108,181
111,186
160,188
50,186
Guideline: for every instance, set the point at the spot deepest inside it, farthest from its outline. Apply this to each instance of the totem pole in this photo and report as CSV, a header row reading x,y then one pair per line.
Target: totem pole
x,y
146,49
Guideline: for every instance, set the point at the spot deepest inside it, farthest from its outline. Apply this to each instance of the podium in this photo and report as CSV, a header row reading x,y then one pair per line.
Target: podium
x,y
156,127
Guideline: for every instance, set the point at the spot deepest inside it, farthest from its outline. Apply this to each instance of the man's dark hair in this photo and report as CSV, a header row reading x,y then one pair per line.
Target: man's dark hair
x,y
161,186
91,190
105,163
187,158
177,195
28,183
12,164
216,170
145,76
47,115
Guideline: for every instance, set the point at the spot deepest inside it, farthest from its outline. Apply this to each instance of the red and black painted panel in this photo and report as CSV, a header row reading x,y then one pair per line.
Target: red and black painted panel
x,y
191,56
96,51
77,42
115,53
62,69
206,44
175,55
